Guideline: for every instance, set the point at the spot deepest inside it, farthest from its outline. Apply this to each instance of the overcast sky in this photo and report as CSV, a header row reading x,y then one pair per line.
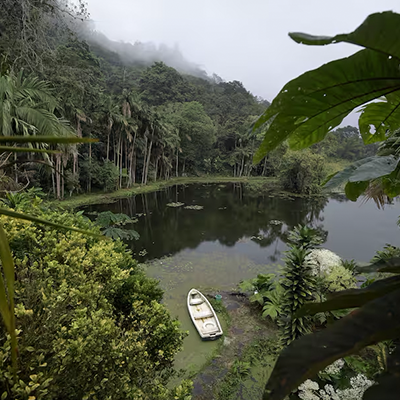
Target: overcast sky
x,y
243,40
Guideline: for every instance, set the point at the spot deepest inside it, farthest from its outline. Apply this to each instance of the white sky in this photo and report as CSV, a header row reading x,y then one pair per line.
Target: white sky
x,y
237,39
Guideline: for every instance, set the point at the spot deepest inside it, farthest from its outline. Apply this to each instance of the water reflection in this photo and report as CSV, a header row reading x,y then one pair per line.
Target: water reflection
x,y
231,216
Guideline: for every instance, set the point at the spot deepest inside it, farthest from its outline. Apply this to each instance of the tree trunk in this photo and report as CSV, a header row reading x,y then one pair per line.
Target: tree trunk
x,y
90,169
177,162
241,169
53,181
62,181
134,168
126,161
15,168
148,160
110,124
156,168
265,166
144,161
115,151
121,153
58,164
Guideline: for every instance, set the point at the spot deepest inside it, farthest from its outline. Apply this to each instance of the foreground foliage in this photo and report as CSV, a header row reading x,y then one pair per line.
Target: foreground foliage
x,y
89,321
298,283
305,110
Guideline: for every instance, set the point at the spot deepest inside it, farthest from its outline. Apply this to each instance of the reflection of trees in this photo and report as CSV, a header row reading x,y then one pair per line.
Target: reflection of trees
x,y
229,215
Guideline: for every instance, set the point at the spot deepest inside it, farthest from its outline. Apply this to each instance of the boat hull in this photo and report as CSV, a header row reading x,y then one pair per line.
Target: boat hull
x,y
203,316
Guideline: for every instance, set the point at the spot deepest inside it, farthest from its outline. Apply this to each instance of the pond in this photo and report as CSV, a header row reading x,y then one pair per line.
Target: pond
x,y
235,235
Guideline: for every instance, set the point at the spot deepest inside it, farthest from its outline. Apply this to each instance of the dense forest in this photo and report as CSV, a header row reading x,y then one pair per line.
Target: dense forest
x,y
80,319
151,120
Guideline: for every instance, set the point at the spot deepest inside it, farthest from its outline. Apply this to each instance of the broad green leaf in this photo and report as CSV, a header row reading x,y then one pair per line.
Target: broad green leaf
x,y
383,117
13,214
342,177
354,190
375,168
383,265
378,32
391,184
317,101
329,178
321,98
27,150
270,310
352,298
376,321
47,139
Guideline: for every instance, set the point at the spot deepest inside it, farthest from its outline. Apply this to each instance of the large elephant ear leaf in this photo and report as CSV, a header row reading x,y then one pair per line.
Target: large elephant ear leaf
x,y
376,321
375,168
379,32
316,102
342,177
353,190
380,118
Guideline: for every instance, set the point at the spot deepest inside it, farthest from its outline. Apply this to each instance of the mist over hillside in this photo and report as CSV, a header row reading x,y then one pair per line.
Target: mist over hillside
x,y
139,53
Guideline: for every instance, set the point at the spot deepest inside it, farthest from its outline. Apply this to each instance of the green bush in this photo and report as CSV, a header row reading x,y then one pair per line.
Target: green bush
x,y
340,278
302,172
89,321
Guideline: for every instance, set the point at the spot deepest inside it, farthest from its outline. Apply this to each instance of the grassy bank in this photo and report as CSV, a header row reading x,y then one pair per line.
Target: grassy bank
x,y
239,368
98,198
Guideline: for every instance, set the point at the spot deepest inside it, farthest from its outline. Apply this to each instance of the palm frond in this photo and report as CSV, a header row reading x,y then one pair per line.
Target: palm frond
x,y
45,121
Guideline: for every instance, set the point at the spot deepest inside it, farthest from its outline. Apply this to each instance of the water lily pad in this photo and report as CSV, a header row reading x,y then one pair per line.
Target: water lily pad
x,y
177,204
194,207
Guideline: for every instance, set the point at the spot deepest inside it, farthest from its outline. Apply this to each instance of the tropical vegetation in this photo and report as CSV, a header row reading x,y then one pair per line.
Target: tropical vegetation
x,y
152,121
302,114
80,113
89,322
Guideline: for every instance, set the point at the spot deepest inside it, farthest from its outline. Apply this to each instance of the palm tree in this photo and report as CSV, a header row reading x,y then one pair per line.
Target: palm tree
x,y
28,107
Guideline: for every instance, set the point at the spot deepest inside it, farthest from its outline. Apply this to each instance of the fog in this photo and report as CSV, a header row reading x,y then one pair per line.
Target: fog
x,y
238,40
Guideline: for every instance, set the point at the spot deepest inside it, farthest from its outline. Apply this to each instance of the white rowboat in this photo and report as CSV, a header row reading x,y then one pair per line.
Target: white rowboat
x,y
203,315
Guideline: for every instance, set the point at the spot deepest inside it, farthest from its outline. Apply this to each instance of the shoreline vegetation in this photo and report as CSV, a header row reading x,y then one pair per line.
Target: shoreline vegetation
x,y
104,198
264,185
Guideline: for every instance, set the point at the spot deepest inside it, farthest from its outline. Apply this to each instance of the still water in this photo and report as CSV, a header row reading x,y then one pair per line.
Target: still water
x,y
241,224
235,236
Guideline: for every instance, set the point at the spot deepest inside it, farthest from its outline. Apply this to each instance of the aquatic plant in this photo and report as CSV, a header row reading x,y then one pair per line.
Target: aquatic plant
x,y
175,204
194,207
112,225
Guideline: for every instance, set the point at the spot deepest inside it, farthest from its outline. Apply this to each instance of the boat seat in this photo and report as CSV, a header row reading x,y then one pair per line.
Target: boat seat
x,y
196,302
203,314
210,327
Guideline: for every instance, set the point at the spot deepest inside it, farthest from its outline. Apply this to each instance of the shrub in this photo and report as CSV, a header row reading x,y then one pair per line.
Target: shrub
x,y
89,321
302,172
340,278
298,283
